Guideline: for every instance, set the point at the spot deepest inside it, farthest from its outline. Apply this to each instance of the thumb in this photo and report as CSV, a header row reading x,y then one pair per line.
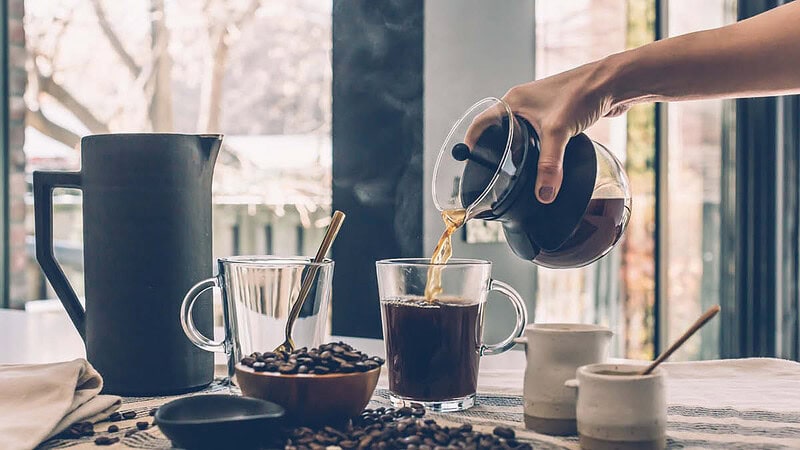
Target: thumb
x,y
551,159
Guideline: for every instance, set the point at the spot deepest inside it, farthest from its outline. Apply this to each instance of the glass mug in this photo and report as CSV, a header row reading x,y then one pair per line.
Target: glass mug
x,y
257,294
433,348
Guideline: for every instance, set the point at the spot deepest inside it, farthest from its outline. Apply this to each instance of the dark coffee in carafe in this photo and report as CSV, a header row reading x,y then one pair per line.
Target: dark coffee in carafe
x,y
575,229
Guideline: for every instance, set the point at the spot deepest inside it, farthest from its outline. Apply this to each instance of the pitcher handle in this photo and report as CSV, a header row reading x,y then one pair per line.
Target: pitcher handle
x,y
43,185
187,322
522,319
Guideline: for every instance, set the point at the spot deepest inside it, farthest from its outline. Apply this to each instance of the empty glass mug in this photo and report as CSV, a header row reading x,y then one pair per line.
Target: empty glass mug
x,y
257,294
433,347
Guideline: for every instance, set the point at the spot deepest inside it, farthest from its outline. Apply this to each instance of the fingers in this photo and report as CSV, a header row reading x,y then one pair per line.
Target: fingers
x,y
551,159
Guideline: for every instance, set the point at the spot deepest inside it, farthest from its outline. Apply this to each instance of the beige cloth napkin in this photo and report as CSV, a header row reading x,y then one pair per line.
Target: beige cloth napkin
x,y
38,401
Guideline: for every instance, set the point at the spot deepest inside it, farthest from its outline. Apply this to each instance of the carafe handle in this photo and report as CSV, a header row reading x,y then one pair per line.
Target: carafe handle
x,y
43,185
189,328
522,319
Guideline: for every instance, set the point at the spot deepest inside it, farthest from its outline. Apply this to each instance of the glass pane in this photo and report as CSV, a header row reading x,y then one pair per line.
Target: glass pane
x,y
694,142
257,71
618,290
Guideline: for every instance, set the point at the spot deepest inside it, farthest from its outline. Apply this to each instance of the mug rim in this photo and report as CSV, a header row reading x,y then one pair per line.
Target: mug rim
x,y
426,262
273,261
566,327
589,371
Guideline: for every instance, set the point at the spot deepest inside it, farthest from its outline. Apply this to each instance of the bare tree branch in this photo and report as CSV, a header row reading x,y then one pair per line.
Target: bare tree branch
x,y
210,116
51,87
160,102
39,121
114,40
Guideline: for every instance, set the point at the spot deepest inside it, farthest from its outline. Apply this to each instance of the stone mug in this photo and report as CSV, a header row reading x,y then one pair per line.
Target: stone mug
x,y
554,351
619,409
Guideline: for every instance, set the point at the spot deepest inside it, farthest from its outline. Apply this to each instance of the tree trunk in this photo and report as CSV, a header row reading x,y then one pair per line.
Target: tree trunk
x,y
211,94
160,110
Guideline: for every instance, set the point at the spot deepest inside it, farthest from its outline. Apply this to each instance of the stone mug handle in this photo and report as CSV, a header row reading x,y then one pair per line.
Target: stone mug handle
x,y
189,328
522,319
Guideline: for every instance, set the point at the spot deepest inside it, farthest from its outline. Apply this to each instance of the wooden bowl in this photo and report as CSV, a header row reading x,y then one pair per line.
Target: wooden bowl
x,y
311,399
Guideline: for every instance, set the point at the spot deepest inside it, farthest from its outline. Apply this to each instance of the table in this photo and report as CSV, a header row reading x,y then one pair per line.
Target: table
x,y
747,403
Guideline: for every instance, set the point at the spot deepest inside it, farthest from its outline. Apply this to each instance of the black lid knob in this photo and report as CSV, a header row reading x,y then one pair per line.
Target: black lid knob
x,y
460,152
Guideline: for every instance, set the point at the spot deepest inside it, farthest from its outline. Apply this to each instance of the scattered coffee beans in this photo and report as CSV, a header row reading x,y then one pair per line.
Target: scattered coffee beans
x,y
142,425
105,440
336,357
403,428
115,417
129,415
80,429
153,412
113,428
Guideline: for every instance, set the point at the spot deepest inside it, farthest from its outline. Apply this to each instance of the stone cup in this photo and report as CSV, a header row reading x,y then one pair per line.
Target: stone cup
x,y
619,409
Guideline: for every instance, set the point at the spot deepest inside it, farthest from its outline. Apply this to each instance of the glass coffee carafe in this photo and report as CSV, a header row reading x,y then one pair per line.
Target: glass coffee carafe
x,y
487,167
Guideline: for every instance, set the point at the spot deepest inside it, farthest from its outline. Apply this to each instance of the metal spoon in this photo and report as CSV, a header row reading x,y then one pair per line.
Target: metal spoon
x,y
686,335
327,241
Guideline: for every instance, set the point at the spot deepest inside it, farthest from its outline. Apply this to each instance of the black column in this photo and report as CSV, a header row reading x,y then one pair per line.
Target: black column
x,y
377,149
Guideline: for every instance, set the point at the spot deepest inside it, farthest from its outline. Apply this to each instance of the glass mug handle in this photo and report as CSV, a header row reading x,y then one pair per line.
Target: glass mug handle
x,y
522,318
187,322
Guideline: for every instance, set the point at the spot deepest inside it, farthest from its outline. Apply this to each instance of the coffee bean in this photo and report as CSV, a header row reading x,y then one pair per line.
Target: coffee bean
x,y
115,417
153,412
347,444
302,369
129,415
259,366
412,440
142,425
113,428
504,432
441,438
248,361
105,440
287,368
404,411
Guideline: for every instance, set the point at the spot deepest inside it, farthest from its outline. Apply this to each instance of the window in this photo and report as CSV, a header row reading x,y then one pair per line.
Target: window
x,y
257,70
619,290
694,148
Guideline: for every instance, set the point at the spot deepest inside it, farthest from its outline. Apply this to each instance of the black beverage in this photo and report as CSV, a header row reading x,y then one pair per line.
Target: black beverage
x,y
598,230
432,347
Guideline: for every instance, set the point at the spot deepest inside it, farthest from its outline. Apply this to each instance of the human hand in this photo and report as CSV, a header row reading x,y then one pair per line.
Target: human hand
x,y
558,107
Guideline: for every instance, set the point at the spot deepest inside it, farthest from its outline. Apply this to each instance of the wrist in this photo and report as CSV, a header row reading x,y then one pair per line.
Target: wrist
x,y
617,81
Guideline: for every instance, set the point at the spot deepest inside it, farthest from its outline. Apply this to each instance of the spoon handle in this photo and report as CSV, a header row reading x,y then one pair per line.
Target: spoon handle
x,y
686,335
327,241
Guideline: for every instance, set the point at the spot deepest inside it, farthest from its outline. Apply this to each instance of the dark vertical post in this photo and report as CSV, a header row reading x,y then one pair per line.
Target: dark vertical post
x,y
789,211
377,149
661,218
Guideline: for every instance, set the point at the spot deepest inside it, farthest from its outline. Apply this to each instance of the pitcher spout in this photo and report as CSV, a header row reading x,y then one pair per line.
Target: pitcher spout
x,y
211,143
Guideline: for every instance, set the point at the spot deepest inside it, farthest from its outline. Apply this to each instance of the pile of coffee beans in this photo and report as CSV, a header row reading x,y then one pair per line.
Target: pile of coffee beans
x,y
403,428
336,357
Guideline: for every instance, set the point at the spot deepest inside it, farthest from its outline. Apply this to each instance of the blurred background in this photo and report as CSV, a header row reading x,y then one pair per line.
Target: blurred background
x,y
344,105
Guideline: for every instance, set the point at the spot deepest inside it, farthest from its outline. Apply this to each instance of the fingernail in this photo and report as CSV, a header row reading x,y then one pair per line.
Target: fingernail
x,y
546,193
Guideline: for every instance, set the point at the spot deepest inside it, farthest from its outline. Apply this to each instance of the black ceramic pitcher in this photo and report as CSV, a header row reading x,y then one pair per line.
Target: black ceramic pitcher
x,y
147,239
